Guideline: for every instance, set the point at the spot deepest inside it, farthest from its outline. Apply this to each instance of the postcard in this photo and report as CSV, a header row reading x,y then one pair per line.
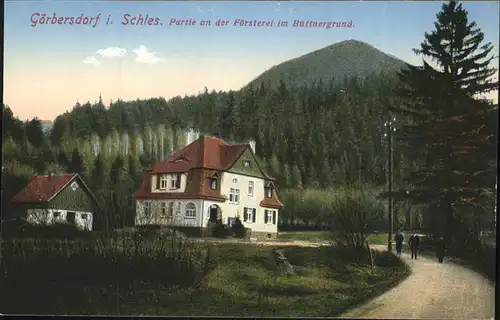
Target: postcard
x,y
250,158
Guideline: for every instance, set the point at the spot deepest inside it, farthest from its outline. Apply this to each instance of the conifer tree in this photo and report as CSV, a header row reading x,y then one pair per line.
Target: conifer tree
x,y
446,123
76,164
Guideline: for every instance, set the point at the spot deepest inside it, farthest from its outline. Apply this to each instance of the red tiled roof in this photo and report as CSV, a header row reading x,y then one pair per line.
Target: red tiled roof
x,y
272,202
206,152
200,160
197,187
41,188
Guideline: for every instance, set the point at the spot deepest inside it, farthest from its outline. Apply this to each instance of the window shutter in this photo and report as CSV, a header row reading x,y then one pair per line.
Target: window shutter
x,y
254,214
265,216
274,217
245,214
178,181
158,178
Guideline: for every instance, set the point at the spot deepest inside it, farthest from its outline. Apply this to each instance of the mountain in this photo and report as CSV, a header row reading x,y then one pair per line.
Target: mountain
x,y
347,58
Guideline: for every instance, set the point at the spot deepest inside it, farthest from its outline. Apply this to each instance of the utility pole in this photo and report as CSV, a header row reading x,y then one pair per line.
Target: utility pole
x,y
390,130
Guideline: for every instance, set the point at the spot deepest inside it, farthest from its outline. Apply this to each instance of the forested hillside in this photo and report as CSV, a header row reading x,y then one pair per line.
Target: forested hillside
x,y
320,136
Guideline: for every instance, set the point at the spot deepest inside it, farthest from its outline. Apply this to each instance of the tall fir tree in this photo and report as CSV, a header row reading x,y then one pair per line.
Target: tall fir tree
x,y
446,122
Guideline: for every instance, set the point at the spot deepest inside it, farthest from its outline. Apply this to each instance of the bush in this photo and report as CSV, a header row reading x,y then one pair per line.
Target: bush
x,y
310,209
238,228
385,259
220,230
303,208
103,261
351,211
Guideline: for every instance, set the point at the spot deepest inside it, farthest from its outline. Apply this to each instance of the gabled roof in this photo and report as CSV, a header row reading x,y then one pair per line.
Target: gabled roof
x,y
196,188
42,189
204,153
274,201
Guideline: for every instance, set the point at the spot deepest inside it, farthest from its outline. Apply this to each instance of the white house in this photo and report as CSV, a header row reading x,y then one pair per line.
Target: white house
x,y
206,181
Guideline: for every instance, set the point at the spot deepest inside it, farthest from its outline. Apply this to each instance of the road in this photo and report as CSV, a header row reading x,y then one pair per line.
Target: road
x,y
433,290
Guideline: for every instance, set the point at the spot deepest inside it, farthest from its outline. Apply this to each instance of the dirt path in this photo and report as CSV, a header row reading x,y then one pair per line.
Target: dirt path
x,y
433,290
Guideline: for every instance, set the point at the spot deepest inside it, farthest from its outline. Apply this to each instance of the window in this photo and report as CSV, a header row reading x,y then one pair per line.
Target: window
x,y
234,196
170,209
84,216
57,214
163,208
74,186
190,210
147,209
178,209
249,215
230,221
247,163
176,181
269,192
163,182
250,188
270,217
213,183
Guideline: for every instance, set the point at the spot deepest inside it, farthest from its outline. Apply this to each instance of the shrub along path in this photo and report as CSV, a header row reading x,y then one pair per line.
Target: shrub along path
x,y
433,290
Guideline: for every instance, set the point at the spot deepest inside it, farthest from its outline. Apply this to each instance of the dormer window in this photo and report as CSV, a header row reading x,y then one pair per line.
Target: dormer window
x,y
213,183
247,163
163,182
176,181
213,180
269,192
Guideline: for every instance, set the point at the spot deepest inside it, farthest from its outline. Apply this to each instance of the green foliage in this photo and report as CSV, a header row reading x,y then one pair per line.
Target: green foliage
x,y
446,125
34,132
103,260
76,164
220,230
354,211
238,228
315,208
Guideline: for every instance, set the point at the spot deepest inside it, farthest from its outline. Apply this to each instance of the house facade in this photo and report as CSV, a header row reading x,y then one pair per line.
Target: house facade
x,y
206,181
53,199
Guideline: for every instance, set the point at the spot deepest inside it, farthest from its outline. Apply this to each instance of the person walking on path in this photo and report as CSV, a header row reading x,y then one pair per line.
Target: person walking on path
x,y
414,242
398,238
440,249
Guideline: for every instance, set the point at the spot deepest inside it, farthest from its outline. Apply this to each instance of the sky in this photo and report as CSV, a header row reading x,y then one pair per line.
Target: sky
x,y
49,67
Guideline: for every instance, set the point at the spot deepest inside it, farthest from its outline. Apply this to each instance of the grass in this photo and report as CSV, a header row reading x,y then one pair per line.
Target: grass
x,y
243,280
325,236
313,236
